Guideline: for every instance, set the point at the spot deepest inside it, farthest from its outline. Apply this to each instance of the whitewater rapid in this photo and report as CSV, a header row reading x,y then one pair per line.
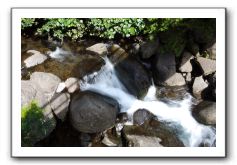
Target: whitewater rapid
x,y
177,113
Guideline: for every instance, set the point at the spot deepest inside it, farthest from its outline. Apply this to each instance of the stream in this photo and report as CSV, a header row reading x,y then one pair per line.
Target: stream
x,y
177,113
100,76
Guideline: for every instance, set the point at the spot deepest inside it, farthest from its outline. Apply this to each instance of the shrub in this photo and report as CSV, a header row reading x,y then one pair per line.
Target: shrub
x,y
106,28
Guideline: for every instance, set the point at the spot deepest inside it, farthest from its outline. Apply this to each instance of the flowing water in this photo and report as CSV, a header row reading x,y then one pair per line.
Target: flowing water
x,y
176,113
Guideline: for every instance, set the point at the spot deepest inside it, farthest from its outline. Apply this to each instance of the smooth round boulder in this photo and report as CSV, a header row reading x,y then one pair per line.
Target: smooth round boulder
x,y
205,113
141,115
133,76
92,113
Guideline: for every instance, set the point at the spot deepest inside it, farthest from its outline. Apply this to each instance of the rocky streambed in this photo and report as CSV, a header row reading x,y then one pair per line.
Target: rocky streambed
x,y
118,95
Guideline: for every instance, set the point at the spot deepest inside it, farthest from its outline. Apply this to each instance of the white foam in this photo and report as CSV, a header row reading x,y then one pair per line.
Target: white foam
x,y
178,115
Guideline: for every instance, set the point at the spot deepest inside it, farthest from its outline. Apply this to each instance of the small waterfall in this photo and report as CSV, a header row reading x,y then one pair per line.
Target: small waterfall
x,y
178,113
59,54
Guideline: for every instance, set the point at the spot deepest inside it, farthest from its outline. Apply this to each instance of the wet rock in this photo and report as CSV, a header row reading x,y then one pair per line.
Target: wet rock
x,y
48,82
198,87
150,134
171,93
72,84
205,113
164,68
212,51
208,66
60,105
186,65
35,59
149,49
141,115
92,113
133,76
87,65
99,48
117,54
175,80
143,141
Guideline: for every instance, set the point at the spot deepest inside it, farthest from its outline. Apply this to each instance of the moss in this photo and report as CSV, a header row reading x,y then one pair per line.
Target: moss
x,y
34,125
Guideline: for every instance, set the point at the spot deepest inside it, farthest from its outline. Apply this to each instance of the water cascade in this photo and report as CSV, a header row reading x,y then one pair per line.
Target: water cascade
x,y
176,113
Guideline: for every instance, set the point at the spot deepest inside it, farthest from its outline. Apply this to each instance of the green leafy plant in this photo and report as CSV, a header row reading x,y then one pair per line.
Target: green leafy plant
x,y
62,27
106,28
27,22
34,126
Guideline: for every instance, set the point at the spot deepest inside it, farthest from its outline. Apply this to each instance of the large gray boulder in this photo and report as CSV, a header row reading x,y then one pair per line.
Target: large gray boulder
x,y
164,67
208,66
205,113
185,65
133,76
31,92
92,113
35,59
48,82
199,86
99,48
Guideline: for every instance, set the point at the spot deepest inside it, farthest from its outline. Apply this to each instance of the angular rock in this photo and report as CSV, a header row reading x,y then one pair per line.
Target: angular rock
x,y
141,115
164,67
72,84
149,49
133,76
198,86
60,105
35,59
150,134
48,82
99,48
208,66
186,65
175,80
205,113
92,113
